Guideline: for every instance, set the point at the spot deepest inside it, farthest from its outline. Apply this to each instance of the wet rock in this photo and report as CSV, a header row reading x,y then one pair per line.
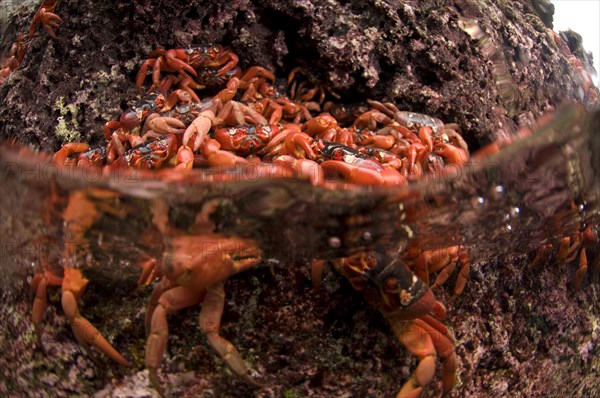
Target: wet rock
x,y
518,333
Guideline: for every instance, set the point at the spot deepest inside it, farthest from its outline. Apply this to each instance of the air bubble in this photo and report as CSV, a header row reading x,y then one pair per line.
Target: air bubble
x,y
477,202
334,242
497,192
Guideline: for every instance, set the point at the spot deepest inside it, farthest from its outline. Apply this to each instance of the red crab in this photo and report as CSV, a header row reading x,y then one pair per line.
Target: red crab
x,y
190,63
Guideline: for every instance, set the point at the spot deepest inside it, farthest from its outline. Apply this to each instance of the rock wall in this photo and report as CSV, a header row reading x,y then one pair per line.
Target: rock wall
x,y
420,55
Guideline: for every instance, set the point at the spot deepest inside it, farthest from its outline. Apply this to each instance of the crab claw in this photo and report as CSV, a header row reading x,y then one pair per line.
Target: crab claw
x,y
426,338
185,158
166,125
199,129
69,149
302,168
352,173
298,143
451,154
319,124
220,158
362,175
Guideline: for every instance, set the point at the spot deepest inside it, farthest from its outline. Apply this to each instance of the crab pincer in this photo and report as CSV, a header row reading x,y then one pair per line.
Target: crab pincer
x,y
165,124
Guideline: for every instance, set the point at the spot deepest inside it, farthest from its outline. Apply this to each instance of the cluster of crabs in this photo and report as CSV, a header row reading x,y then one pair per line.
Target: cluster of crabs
x,y
248,121
203,111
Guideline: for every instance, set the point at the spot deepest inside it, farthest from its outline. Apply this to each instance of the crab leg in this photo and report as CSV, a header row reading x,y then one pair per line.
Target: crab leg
x,y
581,271
210,323
38,289
316,272
465,260
149,271
444,346
72,287
170,301
161,287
